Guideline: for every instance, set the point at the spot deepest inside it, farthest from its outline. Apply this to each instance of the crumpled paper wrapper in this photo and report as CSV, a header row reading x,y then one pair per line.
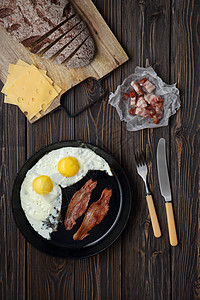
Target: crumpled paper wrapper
x,y
169,93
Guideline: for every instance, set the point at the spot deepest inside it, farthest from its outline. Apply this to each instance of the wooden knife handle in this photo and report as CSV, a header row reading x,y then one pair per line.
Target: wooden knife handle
x,y
153,215
171,224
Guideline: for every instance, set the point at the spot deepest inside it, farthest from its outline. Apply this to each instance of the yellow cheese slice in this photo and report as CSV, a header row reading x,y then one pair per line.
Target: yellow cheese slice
x,y
56,87
15,72
32,92
8,100
22,63
18,70
38,115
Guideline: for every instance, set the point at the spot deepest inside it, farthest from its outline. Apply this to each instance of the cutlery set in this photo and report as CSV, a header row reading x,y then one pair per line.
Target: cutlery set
x,y
164,188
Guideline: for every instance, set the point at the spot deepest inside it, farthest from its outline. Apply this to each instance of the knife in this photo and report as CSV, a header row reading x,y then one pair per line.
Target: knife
x,y
165,190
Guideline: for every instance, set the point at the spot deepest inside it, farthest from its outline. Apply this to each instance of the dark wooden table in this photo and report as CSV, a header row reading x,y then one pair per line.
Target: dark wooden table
x,y
137,265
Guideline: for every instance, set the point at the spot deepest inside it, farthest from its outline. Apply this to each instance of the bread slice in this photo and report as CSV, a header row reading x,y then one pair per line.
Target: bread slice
x,y
28,20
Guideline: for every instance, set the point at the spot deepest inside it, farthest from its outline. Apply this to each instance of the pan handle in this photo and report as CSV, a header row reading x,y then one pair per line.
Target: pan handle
x,y
97,94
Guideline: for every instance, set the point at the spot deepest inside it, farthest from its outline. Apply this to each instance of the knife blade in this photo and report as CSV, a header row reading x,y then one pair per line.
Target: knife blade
x,y
165,189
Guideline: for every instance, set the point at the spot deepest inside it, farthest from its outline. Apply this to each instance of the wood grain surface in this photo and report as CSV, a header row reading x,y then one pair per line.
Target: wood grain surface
x,y
166,35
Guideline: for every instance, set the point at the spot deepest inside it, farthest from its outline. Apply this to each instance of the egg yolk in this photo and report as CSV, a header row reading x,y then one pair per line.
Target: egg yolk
x,y
68,166
42,184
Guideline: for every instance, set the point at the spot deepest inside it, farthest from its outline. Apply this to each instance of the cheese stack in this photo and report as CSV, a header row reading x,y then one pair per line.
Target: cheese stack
x,y
29,88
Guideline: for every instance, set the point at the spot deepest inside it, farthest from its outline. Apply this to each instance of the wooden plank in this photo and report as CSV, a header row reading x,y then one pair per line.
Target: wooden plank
x,y
55,277
185,149
108,56
99,277
12,244
145,259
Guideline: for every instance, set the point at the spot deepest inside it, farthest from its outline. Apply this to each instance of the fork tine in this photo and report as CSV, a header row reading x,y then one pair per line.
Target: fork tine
x,y
43,37
140,158
136,158
143,158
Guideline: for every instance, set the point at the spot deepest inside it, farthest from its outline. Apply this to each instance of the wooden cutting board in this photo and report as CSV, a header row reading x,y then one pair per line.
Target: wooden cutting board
x,y
109,54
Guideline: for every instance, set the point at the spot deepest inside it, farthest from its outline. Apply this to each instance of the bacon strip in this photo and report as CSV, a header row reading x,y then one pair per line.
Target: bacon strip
x,y
79,203
95,214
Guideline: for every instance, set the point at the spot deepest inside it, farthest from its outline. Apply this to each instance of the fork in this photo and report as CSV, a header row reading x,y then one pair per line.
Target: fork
x,y
142,171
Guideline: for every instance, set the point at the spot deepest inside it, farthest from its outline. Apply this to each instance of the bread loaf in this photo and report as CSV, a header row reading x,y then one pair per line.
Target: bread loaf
x,y
28,20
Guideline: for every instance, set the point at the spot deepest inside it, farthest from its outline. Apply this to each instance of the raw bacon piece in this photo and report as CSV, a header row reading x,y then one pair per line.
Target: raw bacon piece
x,y
148,106
150,112
144,112
147,85
132,111
133,98
95,214
158,112
133,101
140,111
158,106
157,117
147,112
137,88
142,81
133,94
79,204
141,102
152,99
126,96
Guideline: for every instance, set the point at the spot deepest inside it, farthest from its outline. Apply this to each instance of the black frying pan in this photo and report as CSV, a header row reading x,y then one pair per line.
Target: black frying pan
x,y
101,236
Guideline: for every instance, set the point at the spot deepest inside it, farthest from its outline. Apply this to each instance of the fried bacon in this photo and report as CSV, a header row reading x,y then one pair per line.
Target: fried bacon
x,y
79,203
95,214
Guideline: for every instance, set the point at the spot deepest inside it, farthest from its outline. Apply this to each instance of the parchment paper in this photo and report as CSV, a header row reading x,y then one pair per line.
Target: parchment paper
x,y
169,93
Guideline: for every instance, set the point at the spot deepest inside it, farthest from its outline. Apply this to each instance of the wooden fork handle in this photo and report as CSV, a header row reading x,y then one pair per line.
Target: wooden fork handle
x,y
153,215
171,224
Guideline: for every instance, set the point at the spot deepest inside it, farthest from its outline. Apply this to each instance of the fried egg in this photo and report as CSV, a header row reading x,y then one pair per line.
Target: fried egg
x,y
41,195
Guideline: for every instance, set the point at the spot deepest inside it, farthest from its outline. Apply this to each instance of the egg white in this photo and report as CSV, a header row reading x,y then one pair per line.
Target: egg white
x,y
88,160
43,211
